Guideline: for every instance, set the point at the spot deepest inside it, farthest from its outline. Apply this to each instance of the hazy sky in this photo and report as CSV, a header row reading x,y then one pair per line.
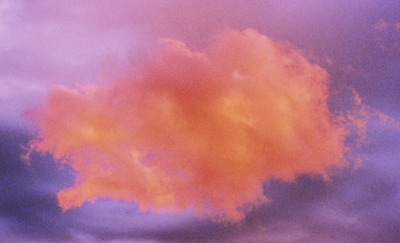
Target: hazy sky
x,y
210,121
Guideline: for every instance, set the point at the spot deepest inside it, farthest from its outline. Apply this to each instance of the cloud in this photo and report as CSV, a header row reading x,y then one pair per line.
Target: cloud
x,y
194,129
387,35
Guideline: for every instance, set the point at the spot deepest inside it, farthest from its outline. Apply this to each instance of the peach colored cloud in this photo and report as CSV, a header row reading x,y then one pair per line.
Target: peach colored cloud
x,y
197,130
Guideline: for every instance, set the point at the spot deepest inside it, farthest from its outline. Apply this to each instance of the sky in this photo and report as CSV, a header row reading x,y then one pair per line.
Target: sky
x,y
199,121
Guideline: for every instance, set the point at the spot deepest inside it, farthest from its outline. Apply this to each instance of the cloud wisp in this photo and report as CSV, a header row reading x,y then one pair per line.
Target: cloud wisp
x,y
198,130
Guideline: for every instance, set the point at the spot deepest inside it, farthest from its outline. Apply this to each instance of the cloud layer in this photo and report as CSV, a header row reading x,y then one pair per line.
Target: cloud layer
x,y
194,129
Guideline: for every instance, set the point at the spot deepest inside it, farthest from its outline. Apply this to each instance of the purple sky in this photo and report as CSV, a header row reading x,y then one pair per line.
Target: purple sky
x,y
44,43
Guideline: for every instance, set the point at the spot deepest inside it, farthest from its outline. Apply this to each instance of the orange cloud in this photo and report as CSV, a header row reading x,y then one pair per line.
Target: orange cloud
x,y
194,129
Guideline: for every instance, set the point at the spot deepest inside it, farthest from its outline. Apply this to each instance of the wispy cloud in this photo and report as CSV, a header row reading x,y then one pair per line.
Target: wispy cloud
x,y
387,35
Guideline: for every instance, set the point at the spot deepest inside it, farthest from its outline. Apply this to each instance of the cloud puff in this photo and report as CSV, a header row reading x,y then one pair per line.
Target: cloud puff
x,y
387,35
194,129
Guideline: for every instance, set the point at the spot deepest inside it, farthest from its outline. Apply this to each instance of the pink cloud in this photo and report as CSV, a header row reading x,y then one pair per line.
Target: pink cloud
x,y
194,129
